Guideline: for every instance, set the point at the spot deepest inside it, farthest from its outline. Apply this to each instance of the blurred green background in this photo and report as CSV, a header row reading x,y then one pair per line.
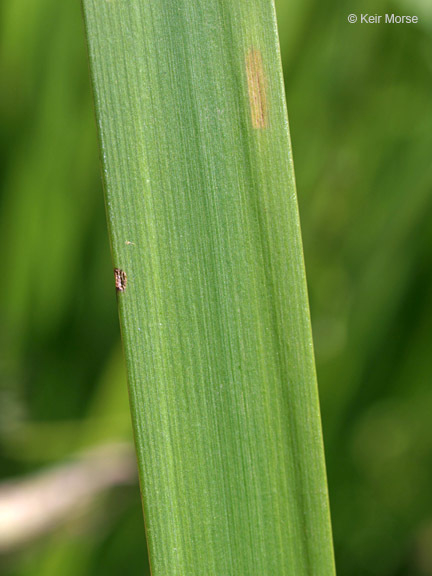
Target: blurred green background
x,y
360,107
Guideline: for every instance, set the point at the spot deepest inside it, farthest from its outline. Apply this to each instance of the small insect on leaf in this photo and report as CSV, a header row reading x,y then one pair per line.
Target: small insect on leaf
x,y
120,279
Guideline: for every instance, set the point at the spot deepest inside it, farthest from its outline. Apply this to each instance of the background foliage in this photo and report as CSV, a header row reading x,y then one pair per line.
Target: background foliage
x,y
359,99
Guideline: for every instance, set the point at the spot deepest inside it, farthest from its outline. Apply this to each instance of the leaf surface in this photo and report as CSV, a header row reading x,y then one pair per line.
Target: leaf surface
x,y
205,237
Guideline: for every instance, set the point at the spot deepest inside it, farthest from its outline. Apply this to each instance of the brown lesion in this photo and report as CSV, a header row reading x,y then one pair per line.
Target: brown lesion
x,y
256,88
120,279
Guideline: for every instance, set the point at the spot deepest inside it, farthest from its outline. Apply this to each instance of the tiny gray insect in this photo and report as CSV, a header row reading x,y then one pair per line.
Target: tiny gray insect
x,y
120,279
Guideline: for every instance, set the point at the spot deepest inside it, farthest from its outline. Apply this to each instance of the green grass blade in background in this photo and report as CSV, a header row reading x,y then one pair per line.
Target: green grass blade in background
x,y
212,296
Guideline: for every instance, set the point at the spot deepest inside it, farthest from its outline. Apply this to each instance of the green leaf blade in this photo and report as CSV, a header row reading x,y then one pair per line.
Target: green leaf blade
x,y
203,220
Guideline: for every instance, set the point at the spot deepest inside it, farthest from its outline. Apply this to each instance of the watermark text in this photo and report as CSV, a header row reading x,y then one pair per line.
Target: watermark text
x,y
382,19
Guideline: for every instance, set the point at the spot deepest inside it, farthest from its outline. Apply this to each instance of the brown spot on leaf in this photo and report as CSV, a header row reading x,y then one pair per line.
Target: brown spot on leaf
x,y
256,88
120,279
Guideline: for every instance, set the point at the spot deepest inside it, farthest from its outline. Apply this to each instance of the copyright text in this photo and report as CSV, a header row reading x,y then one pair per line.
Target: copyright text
x,y
382,19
